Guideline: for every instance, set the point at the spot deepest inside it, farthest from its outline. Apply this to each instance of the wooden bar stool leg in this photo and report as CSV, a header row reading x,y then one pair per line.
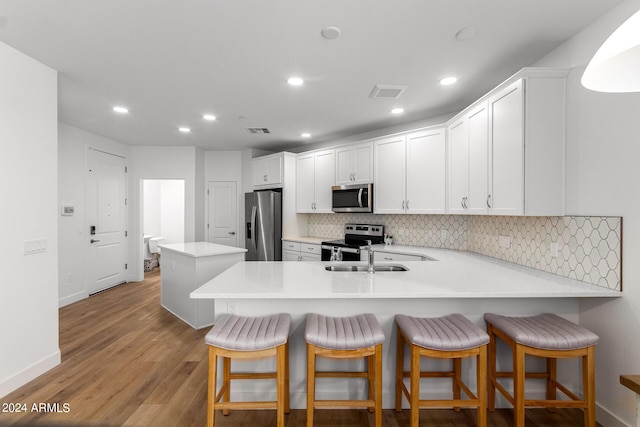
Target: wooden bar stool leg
x,y
589,386
457,369
287,405
481,381
211,388
491,388
552,364
399,370
280,398
311,383
371,378
415,386
378,384
518,385
226,374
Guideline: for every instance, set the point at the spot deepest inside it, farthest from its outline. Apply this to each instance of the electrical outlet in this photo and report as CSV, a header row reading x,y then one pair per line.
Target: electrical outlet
x,y
231,307
444,234
69,278
504,241
553,249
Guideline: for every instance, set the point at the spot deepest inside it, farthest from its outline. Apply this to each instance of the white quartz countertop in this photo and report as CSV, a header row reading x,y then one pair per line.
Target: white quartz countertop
x,y
308,239
201,249
454,275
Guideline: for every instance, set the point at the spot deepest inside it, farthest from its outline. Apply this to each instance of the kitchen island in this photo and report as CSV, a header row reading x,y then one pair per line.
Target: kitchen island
x,y
185,267
456,282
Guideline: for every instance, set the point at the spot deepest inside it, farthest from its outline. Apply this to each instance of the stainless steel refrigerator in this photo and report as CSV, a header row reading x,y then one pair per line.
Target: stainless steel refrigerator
x,y
263,225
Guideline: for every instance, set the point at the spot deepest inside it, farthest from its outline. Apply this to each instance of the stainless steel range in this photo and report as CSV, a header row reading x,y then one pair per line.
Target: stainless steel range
x,y
355,238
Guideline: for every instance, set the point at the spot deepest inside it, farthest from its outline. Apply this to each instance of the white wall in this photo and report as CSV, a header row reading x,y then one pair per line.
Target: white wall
x,y
603,173
73,145
28,184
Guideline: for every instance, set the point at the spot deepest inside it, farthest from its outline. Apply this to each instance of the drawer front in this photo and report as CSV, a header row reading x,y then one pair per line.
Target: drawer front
x,y
310,248
290,246
388,256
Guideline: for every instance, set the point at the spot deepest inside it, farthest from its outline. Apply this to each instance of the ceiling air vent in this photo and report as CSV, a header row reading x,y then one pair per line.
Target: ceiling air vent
x,y
387,91
258,130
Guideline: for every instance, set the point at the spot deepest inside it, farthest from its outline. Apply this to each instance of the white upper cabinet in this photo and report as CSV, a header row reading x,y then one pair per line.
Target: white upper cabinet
x,y
354,164
468,157
390,166
315,177
506,152
426,172
410,173
527,145
267,171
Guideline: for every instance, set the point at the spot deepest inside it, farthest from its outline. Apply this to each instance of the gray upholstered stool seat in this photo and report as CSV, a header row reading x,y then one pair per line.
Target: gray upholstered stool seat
x,y
547,331
343,333
247,338
545,336
351,337
448,333
249,333
452,337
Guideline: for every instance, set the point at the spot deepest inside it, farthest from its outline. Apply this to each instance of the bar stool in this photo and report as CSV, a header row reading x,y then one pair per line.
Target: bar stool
x,y
449,337
548,336
350,337
236,337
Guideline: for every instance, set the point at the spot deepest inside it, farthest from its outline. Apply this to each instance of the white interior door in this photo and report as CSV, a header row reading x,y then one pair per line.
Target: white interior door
x,y
223,213
106,220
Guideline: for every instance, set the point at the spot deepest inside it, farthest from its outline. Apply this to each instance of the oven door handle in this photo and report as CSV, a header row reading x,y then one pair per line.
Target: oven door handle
x,y
343,250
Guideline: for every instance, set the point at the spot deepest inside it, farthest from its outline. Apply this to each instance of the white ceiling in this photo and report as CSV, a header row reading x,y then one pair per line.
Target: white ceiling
x,y
170,61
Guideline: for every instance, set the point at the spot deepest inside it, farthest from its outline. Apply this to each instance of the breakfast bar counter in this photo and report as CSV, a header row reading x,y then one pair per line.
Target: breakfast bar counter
x,y
457,282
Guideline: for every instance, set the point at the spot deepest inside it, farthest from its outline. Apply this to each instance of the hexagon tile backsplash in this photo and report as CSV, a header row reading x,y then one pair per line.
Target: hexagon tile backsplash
x,y
588,249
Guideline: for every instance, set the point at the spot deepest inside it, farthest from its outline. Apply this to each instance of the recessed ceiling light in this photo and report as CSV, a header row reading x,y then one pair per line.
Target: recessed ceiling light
x,y
295,81
331,33
121,110
305,135
397,111
467,33
209,117
448,81
184,129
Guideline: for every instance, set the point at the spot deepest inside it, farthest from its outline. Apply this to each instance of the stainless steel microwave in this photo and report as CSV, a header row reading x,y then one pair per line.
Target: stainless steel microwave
x,y
352,198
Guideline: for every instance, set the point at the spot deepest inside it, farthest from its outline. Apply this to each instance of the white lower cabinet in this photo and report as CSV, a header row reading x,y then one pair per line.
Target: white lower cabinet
x,y
297,251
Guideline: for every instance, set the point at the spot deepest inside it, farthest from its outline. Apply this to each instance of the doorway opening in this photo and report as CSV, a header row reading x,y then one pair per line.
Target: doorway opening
x,y
163,207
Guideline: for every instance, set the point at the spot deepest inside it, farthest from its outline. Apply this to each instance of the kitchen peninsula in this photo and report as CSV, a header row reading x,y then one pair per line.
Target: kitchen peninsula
x,y
456,282
186,266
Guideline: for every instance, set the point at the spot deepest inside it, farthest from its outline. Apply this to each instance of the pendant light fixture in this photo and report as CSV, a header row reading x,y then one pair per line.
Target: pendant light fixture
x,y
616,65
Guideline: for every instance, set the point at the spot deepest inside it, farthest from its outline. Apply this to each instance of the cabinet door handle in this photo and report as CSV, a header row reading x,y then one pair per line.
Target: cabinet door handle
x,y
388,259
407,205
403,205
489,201
462,202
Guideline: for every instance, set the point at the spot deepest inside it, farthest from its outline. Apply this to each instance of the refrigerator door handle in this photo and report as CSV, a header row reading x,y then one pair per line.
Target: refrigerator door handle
x,y
254,238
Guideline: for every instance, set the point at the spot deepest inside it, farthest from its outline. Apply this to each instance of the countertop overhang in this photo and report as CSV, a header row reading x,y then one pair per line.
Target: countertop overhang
x,y
201,249
454,275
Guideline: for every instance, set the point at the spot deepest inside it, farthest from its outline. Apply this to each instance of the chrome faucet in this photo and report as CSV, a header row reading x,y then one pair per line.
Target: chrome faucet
x,y
336,254
370,268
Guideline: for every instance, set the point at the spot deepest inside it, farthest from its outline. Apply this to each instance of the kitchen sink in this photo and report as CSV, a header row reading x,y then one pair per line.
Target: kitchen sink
x,y
363,267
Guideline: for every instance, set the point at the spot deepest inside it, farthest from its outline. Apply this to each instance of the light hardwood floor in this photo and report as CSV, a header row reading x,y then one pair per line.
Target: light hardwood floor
x,y
127,361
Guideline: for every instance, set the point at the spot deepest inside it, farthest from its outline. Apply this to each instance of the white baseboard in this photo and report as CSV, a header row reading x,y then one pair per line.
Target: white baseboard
x,y
70,299
29,373
608,419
